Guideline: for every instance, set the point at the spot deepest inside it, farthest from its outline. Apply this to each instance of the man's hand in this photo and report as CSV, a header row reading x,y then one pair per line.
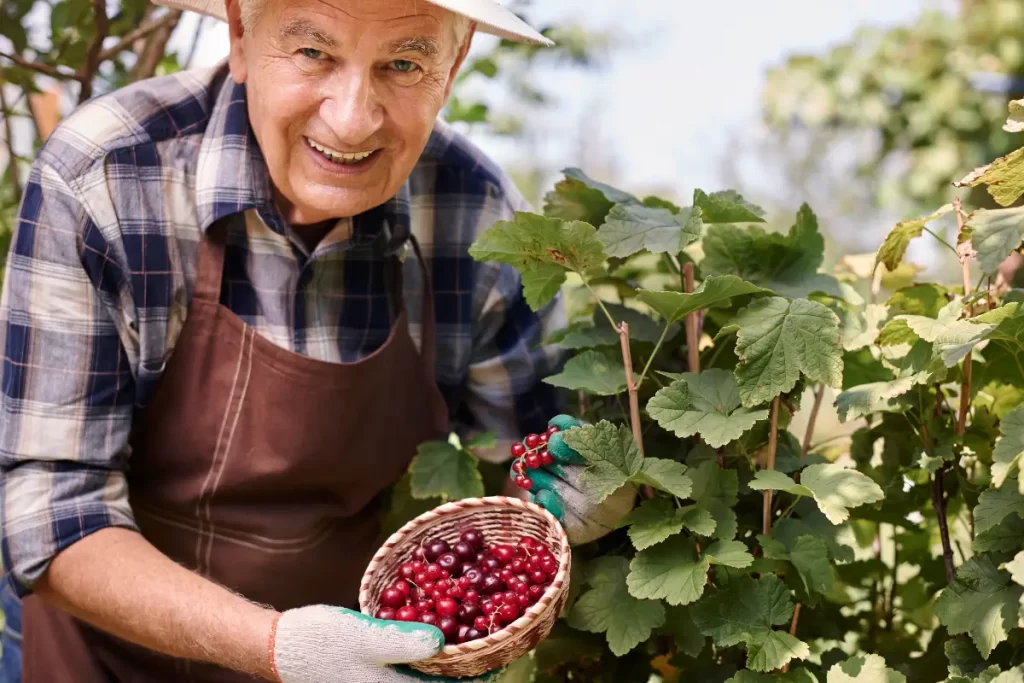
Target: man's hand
x,y
556,488
323,644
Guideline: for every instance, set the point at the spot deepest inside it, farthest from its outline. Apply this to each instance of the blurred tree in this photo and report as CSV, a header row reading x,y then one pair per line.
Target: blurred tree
x,y
922,104
55,54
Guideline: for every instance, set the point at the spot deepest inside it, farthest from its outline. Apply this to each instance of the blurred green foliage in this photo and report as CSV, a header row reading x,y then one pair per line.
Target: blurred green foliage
x,y
932,97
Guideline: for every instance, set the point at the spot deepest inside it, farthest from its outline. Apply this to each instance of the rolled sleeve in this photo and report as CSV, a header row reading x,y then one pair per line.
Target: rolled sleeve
x,y
67,386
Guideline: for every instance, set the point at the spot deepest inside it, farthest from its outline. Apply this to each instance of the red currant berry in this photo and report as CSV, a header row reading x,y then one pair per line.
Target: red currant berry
x,y
532,461
518,565
498,598
436,549
505,554
463,630
421,579
532,441
407,614
552,430
467,612
538,577
450,628
510,597
524,601
446,607
549,565
527,484
433,572
403,586
529,542
464,551
474,634
407,571
392,597
473,538
425,605
508,613
518,450
429,618
533,564
419,555
445,574
449,562
518,466
438,594
472,596
546,458
386,613
521,482
506,574
536,592
464,580
543,438
481,623
488,607
521,588
457,592
428,586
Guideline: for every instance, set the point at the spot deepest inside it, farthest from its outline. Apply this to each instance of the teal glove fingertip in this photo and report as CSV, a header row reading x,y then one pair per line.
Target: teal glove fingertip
x,y
562,452
550,502
564,422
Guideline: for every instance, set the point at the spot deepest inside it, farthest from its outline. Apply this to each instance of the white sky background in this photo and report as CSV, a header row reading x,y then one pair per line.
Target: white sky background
x,y
661,111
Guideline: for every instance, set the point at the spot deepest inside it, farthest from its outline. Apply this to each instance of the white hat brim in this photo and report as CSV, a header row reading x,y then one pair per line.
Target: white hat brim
x,y
490,17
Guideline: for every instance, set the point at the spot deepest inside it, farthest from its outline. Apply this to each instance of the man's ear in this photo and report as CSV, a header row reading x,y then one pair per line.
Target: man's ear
x,y
236,56
459,59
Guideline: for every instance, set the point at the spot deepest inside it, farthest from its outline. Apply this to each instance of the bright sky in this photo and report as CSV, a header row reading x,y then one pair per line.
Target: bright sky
x,y
690,75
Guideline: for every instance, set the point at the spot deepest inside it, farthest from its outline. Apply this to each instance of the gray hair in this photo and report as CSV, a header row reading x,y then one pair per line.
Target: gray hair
x,y
251,10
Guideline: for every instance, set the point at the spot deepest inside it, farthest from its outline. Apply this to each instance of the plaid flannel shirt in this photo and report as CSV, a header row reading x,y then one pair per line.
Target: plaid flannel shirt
x,y
102,267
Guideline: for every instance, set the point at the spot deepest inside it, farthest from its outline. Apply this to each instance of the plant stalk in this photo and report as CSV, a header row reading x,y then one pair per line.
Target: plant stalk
x,y
692,338
939,500
819,394
634,401
12,158
92,57
773,444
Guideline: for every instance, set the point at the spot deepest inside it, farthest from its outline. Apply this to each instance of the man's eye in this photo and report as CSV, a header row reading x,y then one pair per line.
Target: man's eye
x,y
404,65
312,53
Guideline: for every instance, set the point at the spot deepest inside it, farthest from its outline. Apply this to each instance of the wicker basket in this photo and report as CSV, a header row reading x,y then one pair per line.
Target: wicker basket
x,y
502,520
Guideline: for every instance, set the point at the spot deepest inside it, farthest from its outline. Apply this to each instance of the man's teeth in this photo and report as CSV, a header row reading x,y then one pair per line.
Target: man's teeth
x,y
339,157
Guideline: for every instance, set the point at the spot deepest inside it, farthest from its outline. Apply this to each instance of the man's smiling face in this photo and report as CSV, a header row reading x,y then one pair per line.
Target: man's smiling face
x,y
342,95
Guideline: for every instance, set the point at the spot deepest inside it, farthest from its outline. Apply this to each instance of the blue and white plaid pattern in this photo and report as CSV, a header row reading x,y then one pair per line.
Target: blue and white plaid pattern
x,y
102,268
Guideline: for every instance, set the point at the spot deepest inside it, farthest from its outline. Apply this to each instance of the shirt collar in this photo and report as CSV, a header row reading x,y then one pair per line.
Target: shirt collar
x,y
232,177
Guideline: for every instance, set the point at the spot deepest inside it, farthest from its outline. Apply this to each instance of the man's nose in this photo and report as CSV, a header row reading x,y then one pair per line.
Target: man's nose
x,y
352,107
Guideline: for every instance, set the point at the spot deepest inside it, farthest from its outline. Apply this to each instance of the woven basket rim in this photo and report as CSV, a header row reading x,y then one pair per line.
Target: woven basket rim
x,y
533,613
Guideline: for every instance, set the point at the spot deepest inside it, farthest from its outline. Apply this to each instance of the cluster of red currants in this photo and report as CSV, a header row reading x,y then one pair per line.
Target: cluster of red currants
x,y
531,453
468,590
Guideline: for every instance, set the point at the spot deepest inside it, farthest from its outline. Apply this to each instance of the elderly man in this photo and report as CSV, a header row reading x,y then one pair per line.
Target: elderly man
x,y
217,355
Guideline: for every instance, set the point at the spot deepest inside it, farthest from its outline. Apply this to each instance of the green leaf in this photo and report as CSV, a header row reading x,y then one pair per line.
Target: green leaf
x,y
727,206
745,612
440,470
995,235
925,299
574,200
611,454
665,475
1004,178
716,490
1009,447
697,519
864,669
669,571
609,608
652,522
980,602
995,504
613,194
1006,536
729,553
895,245
834,488
632,228
532,242
594,371
861,328
680,624
798,675
641,328
541,284
713,291
951,337
707,403
778,340
809,555
875,397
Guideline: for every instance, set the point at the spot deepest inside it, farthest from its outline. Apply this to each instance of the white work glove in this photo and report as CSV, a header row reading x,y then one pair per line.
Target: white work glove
x,y
556,489
323,644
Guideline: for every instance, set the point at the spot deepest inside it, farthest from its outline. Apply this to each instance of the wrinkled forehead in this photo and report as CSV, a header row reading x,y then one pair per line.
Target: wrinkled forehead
x,y
333,19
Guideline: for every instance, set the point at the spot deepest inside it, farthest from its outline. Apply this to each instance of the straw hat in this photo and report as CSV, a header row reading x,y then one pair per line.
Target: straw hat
x,y
490,17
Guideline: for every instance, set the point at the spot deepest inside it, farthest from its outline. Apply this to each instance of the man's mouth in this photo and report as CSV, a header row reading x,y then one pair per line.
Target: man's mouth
x,y
339,157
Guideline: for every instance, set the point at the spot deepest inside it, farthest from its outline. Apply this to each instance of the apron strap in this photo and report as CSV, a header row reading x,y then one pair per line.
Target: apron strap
x,y
426,313
210,271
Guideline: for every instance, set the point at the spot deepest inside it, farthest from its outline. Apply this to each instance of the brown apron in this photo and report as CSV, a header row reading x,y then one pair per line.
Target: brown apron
x,y
259,468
